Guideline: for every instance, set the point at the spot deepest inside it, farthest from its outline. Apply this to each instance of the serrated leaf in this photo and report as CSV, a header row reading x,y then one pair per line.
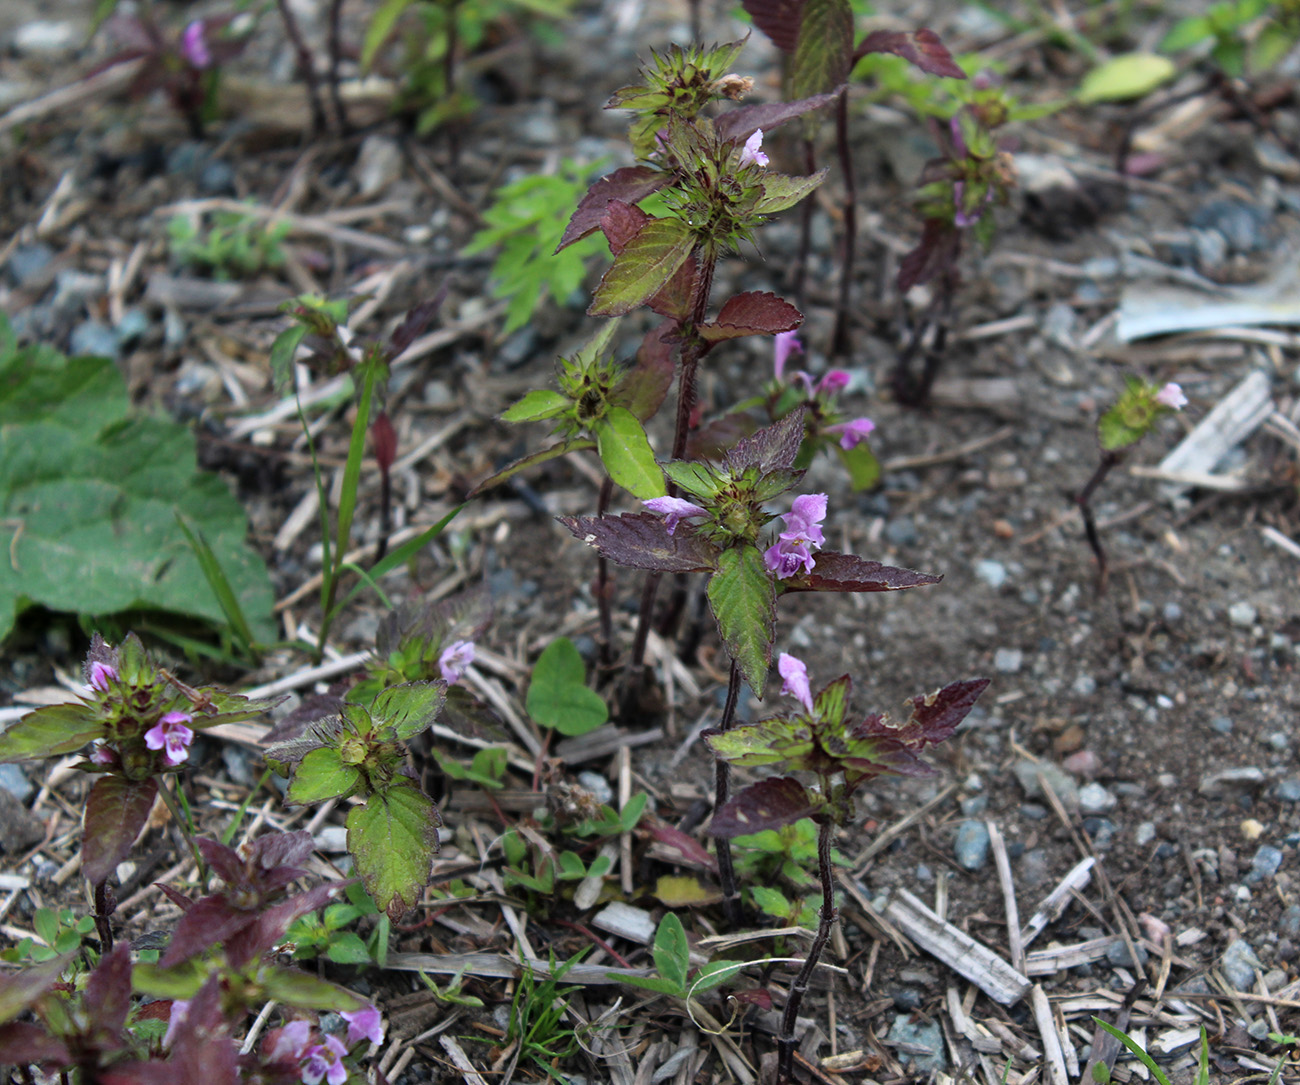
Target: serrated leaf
x,y
742,596
629,185
20,990
773,447
752,313
1131,75
646,264
765,742
833,571
116,811
695,478
780,191
739,124
626,453
672,953
49,732
640,540
768,804
823,54
778,19
935,716
537,406
922,47
410,707
394,839
677,298
558,695
573,444
320,775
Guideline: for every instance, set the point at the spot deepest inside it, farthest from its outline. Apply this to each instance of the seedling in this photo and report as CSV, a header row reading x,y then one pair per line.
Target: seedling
x,y
238,245
558,695
672,957
322,934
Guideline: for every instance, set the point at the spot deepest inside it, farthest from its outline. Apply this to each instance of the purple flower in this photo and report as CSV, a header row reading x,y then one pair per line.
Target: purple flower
x,y
833,383
364,1022
171,736
674,510
180,1007
325,1061
291,1042
1171,396
752,154
785,344
194,48
455,660
802,535
103,754
852,433
795,674
101,674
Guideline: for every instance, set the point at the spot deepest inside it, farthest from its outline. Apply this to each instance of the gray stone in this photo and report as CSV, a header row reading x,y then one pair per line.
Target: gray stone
x,y
1008,660
1060,781
90,337
217,178
975,805
132,327
1242,614
598,786
1258,1029
1211,248
1172,612
1290,921
919,1045
519,348
906,999
971,845
1033,811
1221,724
48,38
1241,224
379,164
1146,832
1238,964
1118,954
332,839
1287,790
15,782
1034,869
19,827
238,764
901,531
993,573
27,263
1266,862
1279,741
1095,799
1085,685
1101,831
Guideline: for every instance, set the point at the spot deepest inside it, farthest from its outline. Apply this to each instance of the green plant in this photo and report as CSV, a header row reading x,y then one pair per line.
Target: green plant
x,y
672,957
453,993
537,1013
537,868
122,476
558,695
322,934
236,245
526,221
60,933
1101,1072
1246,37
786,853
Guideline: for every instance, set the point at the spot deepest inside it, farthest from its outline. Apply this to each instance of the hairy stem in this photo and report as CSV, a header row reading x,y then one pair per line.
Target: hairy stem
x,y
840,338
785,1039
105,906
1110,459
721,792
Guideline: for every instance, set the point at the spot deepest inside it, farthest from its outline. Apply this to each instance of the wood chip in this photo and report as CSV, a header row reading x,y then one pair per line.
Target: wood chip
x,y
1051,906
1056,1071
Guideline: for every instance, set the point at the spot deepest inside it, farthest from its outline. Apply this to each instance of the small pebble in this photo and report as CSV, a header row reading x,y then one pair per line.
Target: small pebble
x,y
1266,863
28,262
379,164
1033,811
971,845
1060,781
13,780
1101,831
1095,799
1241,614
1258,1029
94,339
1082,763
47,38
975,805
1279,741
1221,724
598,786
906,999
1290,921
1287,790
901,531
1172,612
993,573
1146,832
1008,660
1085,685
911,1036
1239,963
1118,954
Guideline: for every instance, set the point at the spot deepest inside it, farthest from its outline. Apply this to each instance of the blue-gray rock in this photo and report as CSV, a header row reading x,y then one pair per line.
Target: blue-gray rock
x,y
993,573
1242,614
1238,964
238,764
901,531
1101,831
1221,724
1095,799
28,262
1118,954
90,337
1060,781
1290,921
919,1045
1146,832
1034,868
1172,612
1287,790
132,327
13,781
1085,685
975,805
924,873
19,827
971,845
906,999
1008,660
1266,863
1241,224
598,786
1033,811
519,348
217,178
1258,1029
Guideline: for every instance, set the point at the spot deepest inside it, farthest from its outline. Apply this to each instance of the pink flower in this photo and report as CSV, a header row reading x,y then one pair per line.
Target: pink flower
x,y
785,344
194,48
833,383
101,674
325,1061
103,754
1171,396
455,660
180,1007
674,510
852,433
752,154
364,1023
290,1042
171,736
802,535
795,674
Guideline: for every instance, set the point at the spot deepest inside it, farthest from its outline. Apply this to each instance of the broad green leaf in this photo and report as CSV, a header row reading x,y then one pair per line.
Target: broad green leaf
x,y
538,405
714,974
295,988
116,811
824,51
1121,78
742,595
695,478
671,951
409,708
627,455
558,695
92,530
771,901
1187,32
321,775
780,191
394,839
49,732
380,27
183,981
766,742
684,891
631,813
348,948
643,268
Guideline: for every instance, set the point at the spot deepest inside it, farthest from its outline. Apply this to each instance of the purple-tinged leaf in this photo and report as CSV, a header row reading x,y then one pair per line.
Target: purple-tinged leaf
x,y
314,706
922,47
224,860
849,573
178,898
779,20
676,299
742,596
268,926
692,852
935,716
281,849
417,320
641,540
18,990
754,312
711,440
643,388
116,811
823,55
108,990
573,444
23,1043
768,804
739,124
772,447
207,922
935,254
621,223
646,264
629,185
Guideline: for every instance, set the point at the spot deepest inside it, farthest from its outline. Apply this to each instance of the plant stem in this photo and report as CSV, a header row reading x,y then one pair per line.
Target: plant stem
x,y
1110,459
721,792
318,122
840,337
335,50
785,1039
105,905
799,277
183,823
604,587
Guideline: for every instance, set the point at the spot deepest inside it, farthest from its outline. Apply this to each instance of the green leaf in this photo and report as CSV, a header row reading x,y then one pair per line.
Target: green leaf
x,y
632,811
116,811
381,26
92,530
183,981
861,464
348,948
1136,1048
409,708
647,983
295,988
49,732
322,775
537,406
282,352
771,901
627,455
1187,32
558,695
401,555
695,478
823,53
714,974
574,444
1121,78
217,580
672,952
394,839
643,268
780,191
742,595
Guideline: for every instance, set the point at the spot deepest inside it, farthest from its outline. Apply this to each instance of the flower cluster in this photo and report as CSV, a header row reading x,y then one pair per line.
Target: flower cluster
x,y
802,535
455,659
851,433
